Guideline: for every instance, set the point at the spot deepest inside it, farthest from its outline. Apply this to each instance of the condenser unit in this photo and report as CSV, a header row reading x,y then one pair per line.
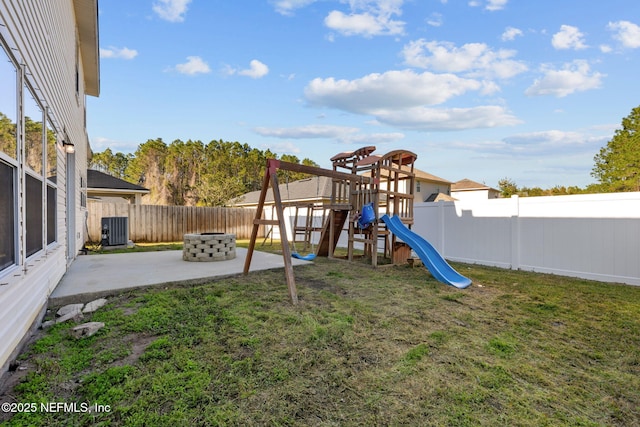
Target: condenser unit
x,y
115,231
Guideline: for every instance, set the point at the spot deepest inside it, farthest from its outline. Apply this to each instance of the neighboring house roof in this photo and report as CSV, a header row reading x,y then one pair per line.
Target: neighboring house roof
x,y
308,189
87,24
100,183
425,176
440,197
469,185
420,175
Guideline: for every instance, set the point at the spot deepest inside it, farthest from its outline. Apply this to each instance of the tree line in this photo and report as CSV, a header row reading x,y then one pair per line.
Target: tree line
x,y
192,173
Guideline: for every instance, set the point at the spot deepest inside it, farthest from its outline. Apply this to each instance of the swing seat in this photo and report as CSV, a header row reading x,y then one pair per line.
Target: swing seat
x,y
367,217
308,257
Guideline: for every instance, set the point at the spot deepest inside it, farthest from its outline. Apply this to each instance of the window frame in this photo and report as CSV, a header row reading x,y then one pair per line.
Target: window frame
x,y
14,246
51,200
12,161
31,224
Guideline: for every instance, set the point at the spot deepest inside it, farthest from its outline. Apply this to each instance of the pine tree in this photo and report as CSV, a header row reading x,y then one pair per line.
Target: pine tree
x,y
617,166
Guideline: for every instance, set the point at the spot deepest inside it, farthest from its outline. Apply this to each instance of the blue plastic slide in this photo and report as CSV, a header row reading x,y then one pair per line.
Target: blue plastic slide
x,y
438,266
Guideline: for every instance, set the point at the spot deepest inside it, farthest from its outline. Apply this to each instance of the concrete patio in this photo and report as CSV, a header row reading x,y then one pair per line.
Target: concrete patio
x,y
95,276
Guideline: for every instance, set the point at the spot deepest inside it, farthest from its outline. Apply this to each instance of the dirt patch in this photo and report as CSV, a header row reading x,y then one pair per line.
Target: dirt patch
x,y
139,344
321,285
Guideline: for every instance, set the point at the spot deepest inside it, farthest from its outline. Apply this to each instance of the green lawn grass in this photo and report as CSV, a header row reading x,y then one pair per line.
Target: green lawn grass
x,y
386,346
138,247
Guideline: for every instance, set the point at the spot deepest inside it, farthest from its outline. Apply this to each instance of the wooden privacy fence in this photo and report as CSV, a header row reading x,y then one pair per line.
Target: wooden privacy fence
x,y
150,223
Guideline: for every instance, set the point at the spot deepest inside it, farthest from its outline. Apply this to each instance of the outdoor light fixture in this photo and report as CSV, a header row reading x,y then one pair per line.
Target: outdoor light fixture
x,y
68,147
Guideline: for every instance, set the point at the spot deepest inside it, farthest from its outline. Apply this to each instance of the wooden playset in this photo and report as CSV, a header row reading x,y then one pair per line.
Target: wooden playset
x,y
365,186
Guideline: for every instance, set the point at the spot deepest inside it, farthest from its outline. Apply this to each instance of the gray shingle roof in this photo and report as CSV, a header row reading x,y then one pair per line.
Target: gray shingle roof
x,y
314,188
467,184
97,179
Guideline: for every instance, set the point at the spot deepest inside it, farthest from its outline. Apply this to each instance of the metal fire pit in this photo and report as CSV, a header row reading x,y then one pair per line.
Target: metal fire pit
x,y
203,247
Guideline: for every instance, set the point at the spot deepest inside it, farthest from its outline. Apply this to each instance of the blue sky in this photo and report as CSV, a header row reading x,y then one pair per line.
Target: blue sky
x,y
478,89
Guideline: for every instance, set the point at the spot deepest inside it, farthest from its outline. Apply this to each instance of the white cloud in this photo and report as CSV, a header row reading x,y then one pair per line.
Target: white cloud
x,y
575,76
605,48
101,143
120,53
390,90
626,33
403,99
568,37
368,18
476,59
194,65
371,138
496,4
491,5
306,132
171,10
555,142
284,148
510,33
448,119
435,19
541,144
343,134
287,7
365,18
256,70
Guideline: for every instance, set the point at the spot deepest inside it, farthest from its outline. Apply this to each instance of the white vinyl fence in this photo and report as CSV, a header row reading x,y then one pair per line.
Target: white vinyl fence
x,y
594,236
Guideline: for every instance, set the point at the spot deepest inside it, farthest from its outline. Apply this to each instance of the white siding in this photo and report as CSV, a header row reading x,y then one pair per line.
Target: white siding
x,y
429,188
42,36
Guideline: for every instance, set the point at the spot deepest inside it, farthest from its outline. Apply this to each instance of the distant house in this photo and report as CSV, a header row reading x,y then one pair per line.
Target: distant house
x,y
297,197
49,63
107,188
431,188
316,190
466,189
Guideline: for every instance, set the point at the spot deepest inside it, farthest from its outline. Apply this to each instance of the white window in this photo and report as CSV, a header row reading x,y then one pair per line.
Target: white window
x,y
26,130
8,161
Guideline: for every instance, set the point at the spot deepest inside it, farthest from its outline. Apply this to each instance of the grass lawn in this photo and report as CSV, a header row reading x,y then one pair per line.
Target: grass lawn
x,y
386,346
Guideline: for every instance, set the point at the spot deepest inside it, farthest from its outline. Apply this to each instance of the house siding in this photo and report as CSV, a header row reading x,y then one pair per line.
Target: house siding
x,y
42,38
429,188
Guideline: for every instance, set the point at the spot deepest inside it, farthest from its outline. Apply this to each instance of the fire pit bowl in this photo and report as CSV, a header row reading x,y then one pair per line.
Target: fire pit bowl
x,y
204,247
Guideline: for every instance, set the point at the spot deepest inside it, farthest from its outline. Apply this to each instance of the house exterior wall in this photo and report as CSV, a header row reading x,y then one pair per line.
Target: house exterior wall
x,y
428,188
41,41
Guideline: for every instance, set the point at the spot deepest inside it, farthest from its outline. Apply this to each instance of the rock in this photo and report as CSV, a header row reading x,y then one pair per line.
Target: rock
x,y
69,308
86,329
48,324
75,315
94,305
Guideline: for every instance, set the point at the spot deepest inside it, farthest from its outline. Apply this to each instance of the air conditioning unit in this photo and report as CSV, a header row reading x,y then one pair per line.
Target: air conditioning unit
x,y
115,231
